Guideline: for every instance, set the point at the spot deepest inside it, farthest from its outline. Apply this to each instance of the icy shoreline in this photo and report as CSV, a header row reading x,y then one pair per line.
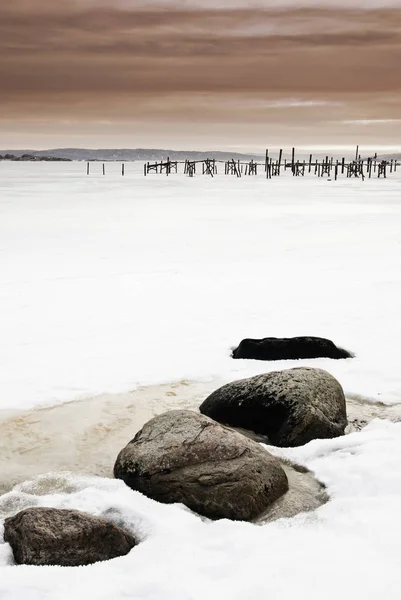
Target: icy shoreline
x,y
84,437
181,556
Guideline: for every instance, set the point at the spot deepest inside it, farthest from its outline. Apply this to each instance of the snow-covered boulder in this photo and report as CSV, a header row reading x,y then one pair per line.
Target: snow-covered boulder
x,y
272,348
182,456
290,407
50,536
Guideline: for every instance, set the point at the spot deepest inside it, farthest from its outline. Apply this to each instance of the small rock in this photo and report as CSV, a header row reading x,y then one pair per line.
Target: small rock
x,y
289,349
69,538
182,456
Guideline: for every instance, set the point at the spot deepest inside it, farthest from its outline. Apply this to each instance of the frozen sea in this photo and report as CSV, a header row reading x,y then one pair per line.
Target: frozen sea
x,y
111,283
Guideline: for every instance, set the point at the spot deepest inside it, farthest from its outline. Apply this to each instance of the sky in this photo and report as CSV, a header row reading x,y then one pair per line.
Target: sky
x,y
200,74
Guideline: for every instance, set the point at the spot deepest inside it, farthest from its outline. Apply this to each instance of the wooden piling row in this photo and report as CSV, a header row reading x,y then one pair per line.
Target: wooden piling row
x,y
328,166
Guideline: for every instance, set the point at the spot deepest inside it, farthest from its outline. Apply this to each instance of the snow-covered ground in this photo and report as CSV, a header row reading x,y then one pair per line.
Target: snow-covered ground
x,y
110,282
349,548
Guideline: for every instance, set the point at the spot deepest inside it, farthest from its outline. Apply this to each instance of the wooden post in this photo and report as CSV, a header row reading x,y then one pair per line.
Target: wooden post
x,y
104,172
336,171
87,168
279,160
122,169
357,153
342,166
293,161
310,163
266,159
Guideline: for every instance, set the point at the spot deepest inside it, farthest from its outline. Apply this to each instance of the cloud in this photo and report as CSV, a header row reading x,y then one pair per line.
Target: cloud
x,y
148,51
212,61
372,121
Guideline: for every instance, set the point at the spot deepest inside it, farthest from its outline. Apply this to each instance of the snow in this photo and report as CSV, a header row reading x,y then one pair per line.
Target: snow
x,y
348,548
111,282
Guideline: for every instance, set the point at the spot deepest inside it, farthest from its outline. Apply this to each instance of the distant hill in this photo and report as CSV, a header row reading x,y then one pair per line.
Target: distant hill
x,y
151,155
127,154
29,157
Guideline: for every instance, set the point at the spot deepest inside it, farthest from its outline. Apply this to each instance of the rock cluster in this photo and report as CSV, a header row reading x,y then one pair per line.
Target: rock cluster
x,y
195,459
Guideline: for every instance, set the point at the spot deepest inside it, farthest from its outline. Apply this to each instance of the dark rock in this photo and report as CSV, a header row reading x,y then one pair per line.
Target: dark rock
x,y
182,456
289,349
49,536
290,407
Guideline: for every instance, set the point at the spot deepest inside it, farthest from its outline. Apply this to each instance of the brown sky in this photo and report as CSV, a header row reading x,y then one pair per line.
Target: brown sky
x,y
211,74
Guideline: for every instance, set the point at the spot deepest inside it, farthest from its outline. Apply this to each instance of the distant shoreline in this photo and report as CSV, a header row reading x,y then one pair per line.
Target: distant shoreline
x,y
32,158
157,154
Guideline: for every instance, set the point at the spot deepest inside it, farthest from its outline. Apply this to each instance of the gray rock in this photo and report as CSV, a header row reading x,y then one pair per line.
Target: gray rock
x,y
182,456
49,536
290,407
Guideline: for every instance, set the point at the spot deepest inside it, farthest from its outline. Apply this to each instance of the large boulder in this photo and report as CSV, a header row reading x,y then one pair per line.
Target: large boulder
x,y
182,456
69,538
290,407
272,348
